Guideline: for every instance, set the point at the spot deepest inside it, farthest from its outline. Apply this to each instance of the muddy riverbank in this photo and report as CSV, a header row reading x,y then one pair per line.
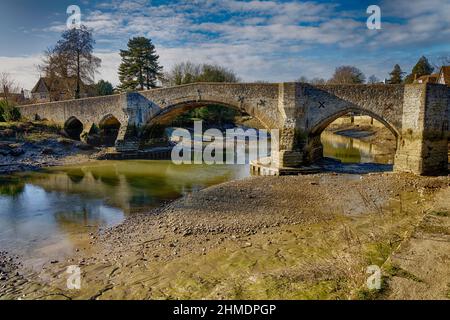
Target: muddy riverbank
x,y
28,146
306,237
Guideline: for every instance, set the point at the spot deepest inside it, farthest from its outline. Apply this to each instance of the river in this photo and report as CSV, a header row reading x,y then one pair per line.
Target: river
x,y
47,215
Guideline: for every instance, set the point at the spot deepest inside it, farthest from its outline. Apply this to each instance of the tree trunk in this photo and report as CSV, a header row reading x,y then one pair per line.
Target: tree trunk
x,y
5,93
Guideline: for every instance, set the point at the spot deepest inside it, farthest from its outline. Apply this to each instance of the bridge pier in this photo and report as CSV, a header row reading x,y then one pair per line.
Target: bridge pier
x,y
423,146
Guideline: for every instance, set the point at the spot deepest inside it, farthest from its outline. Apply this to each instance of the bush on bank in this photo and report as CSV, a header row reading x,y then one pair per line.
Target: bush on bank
x,y
8,112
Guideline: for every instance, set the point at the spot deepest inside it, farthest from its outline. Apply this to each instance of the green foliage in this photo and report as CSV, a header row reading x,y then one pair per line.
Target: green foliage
x,y
2,111
140,67
12,190
422,68
104,88
216,114
396,75
8,112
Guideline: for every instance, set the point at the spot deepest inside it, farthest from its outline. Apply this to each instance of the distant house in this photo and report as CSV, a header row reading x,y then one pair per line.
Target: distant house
x,y
16,98
431,78
443,77
47,89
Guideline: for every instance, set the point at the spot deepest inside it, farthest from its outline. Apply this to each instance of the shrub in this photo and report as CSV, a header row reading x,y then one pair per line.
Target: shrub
x,y
12,114
2,110
8,112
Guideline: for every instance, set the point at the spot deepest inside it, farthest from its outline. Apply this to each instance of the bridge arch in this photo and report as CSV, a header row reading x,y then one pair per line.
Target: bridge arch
x,y
185,105
73,128
315,147
109,127
319,127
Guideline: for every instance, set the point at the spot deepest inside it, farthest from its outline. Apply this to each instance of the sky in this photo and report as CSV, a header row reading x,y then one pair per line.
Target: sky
x,y
267,40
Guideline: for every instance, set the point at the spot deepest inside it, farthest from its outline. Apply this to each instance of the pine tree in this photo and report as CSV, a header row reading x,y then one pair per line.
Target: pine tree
x,y
140,68
422,68
104,88
396,75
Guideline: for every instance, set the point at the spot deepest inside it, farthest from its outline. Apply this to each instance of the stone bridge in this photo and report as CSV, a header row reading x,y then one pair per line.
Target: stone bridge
x,y
418,115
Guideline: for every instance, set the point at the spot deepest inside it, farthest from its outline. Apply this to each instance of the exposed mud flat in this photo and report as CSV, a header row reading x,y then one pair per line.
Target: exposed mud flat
x,y
306,237
28,146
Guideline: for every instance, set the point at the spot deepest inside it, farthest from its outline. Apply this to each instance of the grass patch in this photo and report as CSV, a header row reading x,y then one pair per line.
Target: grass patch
x,y
30,131
389,272
377,253
396,271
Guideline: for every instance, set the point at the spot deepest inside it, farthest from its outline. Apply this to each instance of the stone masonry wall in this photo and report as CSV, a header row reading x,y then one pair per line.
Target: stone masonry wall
x,y
423,146
258,100
324,104
417,114
88,111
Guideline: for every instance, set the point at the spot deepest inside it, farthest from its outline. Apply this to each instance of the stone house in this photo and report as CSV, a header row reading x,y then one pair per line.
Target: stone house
x,y
58,89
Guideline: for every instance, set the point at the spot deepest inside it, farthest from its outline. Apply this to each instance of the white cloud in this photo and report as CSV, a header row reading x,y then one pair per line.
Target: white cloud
x,y
24,70
260,40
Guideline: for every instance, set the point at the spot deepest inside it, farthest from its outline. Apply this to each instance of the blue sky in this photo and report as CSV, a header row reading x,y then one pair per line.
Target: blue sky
x,y
259,40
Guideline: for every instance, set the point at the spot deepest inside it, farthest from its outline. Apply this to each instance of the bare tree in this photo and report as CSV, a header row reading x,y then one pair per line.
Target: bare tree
x,y
318,81
182,73
303,79
56,72
188,72
72,58
348,75
373,79
7,85
314,81
441,61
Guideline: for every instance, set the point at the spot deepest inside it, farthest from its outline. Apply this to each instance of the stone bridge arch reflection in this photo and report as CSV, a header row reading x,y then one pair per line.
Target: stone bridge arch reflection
x,y
315,147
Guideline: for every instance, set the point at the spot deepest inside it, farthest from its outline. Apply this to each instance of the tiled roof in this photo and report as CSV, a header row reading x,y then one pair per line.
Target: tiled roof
x,y
445,70
431,78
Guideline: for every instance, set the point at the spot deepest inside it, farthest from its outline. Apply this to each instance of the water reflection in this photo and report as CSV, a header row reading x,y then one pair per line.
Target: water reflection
x,y
46,214
349,150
